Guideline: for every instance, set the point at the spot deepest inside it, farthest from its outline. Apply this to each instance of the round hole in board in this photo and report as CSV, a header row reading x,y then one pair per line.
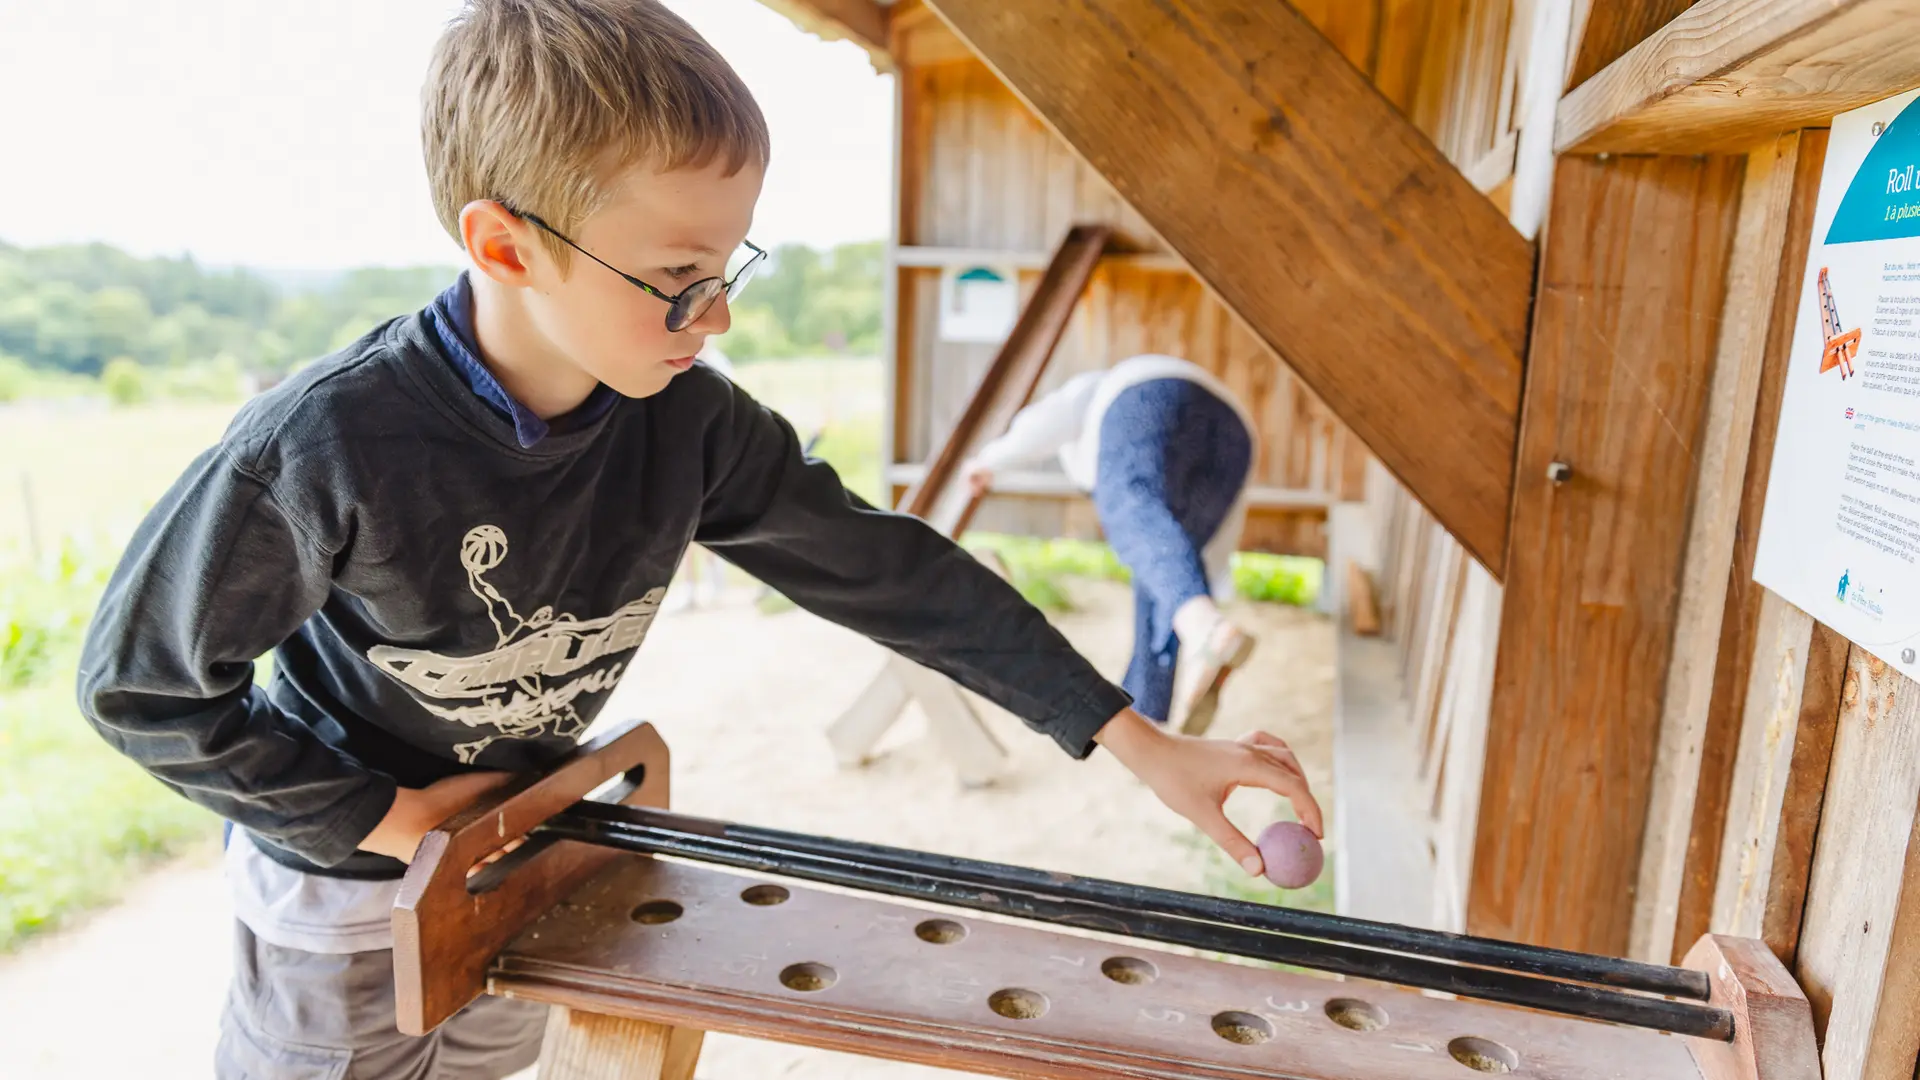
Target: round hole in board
x,y
1017,1004
808,977
655,912
940,931
1129,970
1483,1055
765,895
1243,1028
1356,1015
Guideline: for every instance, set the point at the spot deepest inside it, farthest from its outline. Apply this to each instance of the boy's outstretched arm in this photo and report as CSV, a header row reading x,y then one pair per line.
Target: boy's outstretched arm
x,y
217,575
788,521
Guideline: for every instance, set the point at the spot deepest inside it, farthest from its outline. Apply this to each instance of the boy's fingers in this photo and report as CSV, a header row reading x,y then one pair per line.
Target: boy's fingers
x,y
1264,738
1264,771
1285,758
1273,746
1221,831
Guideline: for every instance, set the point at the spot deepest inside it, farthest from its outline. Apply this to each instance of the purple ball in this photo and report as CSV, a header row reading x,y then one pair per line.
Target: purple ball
x,y
1291,853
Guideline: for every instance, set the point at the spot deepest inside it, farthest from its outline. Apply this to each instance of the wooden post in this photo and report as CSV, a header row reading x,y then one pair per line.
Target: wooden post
x,y
1789,205
1791,703
1859,954
1719,602
1626,327
590,1046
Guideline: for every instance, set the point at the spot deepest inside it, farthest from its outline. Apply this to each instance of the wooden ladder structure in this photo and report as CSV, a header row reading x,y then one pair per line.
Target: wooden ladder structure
x,y
943,500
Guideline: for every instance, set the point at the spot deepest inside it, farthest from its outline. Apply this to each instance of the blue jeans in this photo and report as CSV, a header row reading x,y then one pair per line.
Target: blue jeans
x,y
1172,460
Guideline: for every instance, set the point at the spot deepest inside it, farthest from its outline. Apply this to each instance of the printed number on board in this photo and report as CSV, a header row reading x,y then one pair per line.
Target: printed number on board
x,y
958,991
747,964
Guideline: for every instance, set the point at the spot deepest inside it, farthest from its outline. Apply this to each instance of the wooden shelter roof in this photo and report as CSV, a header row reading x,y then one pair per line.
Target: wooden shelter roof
x,y
863,22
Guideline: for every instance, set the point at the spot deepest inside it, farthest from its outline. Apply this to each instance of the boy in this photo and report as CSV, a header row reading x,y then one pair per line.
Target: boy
x,y
1165,449
455,532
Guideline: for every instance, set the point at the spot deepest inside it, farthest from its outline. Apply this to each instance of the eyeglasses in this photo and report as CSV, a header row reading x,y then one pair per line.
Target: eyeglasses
x,y
696,299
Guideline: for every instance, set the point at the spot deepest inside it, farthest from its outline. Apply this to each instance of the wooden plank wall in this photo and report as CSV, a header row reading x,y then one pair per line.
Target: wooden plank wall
x,y
981,177
1787,803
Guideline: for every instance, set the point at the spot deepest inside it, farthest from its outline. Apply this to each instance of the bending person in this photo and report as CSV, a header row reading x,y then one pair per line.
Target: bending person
x,y
1165,450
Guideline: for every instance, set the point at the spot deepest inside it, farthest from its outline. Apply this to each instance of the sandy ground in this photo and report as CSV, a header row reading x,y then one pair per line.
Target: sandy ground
x,y
741,698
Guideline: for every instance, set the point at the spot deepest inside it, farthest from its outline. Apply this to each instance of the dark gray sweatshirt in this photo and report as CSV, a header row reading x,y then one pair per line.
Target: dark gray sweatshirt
x,y
439,598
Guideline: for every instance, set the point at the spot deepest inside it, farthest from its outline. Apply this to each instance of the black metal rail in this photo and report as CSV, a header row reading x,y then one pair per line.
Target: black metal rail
x,y
1520,975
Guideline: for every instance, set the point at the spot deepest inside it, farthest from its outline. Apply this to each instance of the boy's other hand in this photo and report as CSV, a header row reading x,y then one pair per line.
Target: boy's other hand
x,y
1194,776
416,811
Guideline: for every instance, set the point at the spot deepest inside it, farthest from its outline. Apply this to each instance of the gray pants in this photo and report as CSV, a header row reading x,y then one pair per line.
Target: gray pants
x,y
294,1015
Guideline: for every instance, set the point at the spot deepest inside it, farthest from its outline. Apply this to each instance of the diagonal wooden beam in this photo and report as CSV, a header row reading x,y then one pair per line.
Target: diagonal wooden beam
x,y
863,22
1311,206
1727,74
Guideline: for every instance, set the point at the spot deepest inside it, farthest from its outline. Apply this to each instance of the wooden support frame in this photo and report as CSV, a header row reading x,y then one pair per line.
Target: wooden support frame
x,y
1311,206
943,501
1728,73
1626,326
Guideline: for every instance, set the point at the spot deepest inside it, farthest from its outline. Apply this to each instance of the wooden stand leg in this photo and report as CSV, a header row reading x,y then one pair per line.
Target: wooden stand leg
x,y
854,734
590,1046
975,753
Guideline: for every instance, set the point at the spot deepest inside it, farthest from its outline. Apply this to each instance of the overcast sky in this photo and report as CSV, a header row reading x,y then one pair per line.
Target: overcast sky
x,y
284,133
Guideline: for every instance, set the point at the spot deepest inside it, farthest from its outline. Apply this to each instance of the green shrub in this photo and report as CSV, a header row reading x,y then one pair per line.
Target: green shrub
x,y
1278,579
125,382
44,610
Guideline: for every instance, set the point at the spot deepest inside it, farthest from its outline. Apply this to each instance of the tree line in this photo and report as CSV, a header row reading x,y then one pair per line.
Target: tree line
x,y
77,311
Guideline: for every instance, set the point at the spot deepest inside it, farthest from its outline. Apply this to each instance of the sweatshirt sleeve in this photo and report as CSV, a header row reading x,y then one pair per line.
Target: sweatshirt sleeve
x,y
216,576
787,520
1043,427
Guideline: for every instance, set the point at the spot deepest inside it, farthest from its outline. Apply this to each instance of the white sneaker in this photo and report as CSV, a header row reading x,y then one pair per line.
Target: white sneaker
x,y
1202,674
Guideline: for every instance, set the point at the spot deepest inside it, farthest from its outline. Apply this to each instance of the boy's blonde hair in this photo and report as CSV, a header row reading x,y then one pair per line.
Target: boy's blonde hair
x,y
540,103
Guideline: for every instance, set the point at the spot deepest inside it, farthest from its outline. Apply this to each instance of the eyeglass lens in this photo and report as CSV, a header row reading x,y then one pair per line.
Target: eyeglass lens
x,y
694,302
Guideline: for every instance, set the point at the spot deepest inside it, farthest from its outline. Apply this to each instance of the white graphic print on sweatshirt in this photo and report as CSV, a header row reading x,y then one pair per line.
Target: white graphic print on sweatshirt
x,y
507,689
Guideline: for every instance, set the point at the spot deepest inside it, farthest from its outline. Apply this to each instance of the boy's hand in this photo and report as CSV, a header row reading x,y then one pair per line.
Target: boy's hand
x,y
416,811
1194,776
